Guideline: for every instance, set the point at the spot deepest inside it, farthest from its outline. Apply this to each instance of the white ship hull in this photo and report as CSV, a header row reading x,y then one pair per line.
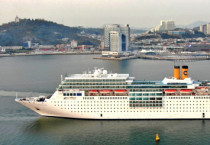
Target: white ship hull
x,y
103,95
191,109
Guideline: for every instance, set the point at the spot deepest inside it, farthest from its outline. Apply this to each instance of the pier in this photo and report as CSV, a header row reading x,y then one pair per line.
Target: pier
x,y
116,58
171,57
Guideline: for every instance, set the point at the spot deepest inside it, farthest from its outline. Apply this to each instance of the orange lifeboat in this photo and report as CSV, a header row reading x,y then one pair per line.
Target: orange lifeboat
x,y
171,91
93,91
106,91
186,91
120,91
201,88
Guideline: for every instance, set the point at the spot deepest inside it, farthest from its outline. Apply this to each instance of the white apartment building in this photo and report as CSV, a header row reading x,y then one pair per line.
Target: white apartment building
x,y
73,44
205,29
165,25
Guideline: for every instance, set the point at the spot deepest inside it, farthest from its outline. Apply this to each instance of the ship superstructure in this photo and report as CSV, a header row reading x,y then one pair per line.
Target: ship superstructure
x,y
103,95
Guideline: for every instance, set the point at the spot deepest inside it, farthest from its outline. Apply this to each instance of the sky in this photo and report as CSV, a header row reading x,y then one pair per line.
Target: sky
x,y
97,13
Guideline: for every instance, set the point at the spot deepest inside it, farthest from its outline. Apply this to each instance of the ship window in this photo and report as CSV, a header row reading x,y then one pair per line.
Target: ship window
x,y
152,94
139,94
146,94
79,94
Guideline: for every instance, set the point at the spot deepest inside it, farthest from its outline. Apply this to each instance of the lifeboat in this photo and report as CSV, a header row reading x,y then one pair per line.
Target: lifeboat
x,y
186,91
171,91
106,91
93,91
202,88
120,91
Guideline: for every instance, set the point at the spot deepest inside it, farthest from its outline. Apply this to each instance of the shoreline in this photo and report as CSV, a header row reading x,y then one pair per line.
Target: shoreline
x,y
51,53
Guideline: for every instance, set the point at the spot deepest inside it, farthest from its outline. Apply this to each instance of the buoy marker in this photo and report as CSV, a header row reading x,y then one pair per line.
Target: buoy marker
x,y
157,137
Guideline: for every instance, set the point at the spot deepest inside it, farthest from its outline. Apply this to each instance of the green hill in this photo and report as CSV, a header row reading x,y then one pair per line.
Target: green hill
x,y
44,32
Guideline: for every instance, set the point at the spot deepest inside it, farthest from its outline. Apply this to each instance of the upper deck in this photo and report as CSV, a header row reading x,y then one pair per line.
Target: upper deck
x,y
100,79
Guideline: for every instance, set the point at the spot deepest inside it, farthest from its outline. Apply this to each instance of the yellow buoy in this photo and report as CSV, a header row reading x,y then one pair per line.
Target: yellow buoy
x,y
157,137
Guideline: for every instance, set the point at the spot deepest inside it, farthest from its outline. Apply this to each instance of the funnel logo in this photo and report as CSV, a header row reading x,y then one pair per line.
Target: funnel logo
x,y
185,73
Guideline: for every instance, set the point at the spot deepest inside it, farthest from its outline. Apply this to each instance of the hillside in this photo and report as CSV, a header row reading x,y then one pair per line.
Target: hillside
x,y
44,32
196,24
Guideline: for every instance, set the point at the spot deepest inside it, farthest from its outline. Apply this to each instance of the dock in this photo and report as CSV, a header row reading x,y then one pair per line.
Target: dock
x,y
181,57
116,58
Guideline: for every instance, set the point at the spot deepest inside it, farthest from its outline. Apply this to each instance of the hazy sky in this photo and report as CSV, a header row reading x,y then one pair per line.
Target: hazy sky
x,y
96,13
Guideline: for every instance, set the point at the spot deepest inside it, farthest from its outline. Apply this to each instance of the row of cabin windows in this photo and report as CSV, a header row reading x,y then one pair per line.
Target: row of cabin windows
x,y
96,80
113,98
147,109
87,105
95,83
166,102
145,105
145,102
145,94
145,98
140,105
91,87
185,104
73,102
201,97
88,98
178,97
146,90
72,94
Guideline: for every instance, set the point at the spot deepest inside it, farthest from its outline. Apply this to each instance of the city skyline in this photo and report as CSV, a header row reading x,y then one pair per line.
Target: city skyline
x,y
92,13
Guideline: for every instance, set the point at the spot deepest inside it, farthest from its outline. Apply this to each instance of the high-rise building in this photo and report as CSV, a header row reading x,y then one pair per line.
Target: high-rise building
x,y
208,29
124,34
205,29
165,25
115,41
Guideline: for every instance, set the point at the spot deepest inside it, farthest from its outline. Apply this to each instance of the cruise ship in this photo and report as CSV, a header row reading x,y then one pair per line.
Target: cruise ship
x,y
100,94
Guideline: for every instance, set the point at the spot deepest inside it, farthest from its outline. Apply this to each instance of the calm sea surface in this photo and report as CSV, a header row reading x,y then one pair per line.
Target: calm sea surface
x,y
35,75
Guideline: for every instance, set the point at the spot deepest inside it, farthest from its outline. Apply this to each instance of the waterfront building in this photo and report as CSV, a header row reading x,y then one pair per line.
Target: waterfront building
x,y
124,32
46,46
208,29
115,41
102,45
165,25
176,33
199,47
205,29
11,47
27,44
73,44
